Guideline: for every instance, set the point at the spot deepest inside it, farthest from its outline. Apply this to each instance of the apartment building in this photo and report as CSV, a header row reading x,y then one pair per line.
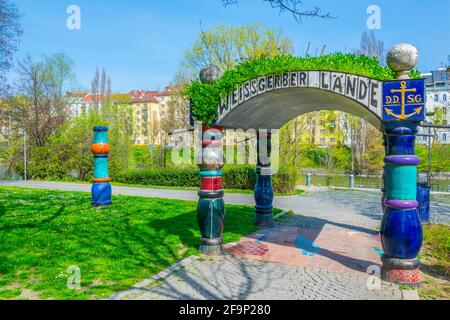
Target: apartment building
x,y
438,103
146,109
75,103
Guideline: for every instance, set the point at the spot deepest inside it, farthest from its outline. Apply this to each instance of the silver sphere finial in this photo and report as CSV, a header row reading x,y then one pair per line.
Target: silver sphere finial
x,y
402,58
210,74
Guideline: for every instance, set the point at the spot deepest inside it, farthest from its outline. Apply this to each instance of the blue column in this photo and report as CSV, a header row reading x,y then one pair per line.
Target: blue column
x,y
401,230
263,190
101,187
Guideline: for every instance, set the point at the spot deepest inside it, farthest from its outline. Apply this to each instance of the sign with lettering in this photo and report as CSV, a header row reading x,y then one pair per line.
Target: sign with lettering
x,y
404,100
365,91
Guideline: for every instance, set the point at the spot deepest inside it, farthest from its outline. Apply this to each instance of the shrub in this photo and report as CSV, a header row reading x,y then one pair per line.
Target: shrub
x,y
239,177
285,181
440,157
234,177
163,177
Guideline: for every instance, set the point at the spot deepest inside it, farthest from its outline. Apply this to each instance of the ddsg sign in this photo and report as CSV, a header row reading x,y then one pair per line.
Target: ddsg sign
x,y
404,100
367,92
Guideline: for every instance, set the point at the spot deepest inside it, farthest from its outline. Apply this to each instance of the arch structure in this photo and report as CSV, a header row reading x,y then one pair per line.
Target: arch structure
x,y
269,102
395,107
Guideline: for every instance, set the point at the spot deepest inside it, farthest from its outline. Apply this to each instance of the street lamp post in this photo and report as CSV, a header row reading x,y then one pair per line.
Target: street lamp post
x,y
25,154
430,147
430,156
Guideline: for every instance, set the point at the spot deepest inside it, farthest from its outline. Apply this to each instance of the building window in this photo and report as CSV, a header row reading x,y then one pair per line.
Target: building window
x,y
436,97
322,131
444,137
332,123
332,140
444,97
322,140
332,131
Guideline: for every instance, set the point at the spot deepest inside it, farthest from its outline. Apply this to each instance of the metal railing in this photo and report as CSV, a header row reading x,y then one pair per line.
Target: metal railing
x,y
359,182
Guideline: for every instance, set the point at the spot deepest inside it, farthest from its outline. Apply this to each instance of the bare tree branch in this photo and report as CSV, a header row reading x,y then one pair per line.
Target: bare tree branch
x,y
295,7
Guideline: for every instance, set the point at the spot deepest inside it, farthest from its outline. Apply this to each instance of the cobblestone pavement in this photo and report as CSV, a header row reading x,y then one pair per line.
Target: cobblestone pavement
x,y
302,258
233,278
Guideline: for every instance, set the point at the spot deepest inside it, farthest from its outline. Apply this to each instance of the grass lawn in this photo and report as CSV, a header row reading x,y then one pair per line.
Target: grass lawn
x,y
43,233
435,262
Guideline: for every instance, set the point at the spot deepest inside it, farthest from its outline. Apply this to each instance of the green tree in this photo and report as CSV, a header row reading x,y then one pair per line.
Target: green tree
x,y
363,137
59,147
226,46
10,31
41,105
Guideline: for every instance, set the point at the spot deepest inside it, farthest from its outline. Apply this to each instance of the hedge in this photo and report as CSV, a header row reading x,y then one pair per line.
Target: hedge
x,y
162,177
234,177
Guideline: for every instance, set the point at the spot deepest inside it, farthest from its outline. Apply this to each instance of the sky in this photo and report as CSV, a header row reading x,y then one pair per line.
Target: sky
x,y
141,43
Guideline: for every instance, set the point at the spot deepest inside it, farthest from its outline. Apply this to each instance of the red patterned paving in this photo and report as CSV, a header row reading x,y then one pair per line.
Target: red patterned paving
x,y
253,248
331,248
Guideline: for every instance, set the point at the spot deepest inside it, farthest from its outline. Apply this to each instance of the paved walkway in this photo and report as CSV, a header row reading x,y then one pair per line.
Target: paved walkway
x,y
359,208
234,278
324,251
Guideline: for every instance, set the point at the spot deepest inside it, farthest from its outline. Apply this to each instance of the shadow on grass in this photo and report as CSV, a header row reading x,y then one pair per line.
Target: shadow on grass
x,y
115,247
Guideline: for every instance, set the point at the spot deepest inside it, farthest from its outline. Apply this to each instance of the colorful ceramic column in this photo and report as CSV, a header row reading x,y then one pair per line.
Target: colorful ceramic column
x,y
211,207
263,190
401,230
101,187
383,189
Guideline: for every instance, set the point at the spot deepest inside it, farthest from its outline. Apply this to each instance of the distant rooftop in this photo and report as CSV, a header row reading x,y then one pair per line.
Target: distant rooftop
x,y
79,94
170,91
438,78
139,96
135,96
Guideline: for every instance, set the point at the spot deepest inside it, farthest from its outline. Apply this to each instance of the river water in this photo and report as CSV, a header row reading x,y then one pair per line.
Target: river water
x,y
364,182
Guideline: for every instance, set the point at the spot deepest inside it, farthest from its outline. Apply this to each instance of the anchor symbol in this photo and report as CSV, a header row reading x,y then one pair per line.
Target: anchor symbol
x,y
403,116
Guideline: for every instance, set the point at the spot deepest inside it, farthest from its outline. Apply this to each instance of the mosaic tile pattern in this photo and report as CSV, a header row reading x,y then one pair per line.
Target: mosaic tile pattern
x,y
404,276
328,247
252,248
